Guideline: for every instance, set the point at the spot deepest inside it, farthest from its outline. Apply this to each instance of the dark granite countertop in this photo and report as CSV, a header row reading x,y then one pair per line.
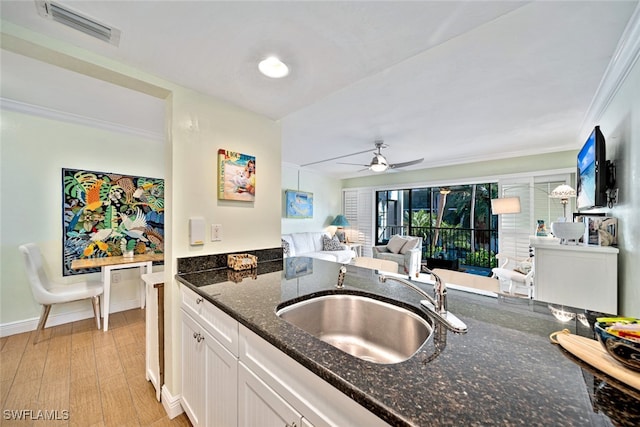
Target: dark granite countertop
x,y
503,371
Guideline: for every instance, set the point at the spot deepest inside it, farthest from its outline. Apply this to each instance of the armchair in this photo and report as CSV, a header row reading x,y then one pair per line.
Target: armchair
x,y
515,276
406,251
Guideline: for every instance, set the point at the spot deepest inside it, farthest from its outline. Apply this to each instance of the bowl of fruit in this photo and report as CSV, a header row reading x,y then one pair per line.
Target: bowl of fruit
x,y
620,337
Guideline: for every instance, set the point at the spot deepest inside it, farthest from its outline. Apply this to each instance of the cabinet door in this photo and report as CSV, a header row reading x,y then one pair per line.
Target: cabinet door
x,y
193,371
260,406
221,384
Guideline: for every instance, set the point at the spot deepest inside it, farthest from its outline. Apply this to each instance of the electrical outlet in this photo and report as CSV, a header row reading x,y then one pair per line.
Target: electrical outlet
x,y
116,277
216,232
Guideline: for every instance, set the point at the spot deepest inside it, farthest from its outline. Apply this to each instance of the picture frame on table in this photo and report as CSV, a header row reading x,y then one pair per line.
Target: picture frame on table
x,y
600,230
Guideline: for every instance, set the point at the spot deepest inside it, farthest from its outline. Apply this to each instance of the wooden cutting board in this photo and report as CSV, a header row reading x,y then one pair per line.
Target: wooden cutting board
x,y
591,352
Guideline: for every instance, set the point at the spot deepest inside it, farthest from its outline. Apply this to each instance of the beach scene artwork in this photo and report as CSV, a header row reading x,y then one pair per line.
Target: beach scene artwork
x,y
236,176
299,204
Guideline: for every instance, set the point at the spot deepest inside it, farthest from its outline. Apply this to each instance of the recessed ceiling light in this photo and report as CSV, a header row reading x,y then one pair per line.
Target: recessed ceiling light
x,y
273,67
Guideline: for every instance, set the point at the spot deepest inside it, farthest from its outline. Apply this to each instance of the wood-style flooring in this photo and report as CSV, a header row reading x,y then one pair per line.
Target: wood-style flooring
x,y
77,375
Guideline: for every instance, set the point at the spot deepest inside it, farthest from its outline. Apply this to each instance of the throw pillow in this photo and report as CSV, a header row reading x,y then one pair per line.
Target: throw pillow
x,y
523,267
412,243
396,243
331,244
285,247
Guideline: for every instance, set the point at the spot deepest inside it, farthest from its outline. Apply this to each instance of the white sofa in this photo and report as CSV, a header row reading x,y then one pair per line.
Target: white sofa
x,y
310,244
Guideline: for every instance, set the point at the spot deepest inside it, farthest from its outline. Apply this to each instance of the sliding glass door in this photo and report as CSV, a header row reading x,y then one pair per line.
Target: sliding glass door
x,y
455,223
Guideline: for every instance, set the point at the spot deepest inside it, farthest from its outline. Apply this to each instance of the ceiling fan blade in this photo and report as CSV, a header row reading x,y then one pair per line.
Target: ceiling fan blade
x,y
352,164
404,164
335,158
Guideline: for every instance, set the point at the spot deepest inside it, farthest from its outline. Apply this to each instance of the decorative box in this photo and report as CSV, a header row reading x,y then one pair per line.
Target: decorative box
x,y
241,262
238,276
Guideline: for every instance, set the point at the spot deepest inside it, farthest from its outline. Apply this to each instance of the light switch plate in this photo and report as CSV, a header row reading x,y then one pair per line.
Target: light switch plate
x,y
216,232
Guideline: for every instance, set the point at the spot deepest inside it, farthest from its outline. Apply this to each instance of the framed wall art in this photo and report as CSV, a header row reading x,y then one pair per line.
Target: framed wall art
x,y
236,176
298,204
107,214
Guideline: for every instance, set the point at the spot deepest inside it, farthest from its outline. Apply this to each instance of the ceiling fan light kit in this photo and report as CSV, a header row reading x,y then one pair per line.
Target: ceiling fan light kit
x,y
379,163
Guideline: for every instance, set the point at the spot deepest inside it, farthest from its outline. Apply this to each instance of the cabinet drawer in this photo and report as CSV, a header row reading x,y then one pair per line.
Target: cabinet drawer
x,y
219,324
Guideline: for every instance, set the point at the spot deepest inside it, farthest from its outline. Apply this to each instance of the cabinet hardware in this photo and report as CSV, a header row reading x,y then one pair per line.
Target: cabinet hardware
x,y
200,337
199,300
195,335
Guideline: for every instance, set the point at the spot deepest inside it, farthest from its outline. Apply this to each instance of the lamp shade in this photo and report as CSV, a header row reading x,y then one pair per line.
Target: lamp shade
x,y
340,221
505,205
562,192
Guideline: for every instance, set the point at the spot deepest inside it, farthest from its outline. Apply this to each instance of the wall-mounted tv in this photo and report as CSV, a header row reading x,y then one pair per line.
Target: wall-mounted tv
x,y
592,172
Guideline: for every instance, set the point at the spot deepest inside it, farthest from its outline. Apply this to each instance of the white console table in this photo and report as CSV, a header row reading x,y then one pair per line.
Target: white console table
x,y
578,276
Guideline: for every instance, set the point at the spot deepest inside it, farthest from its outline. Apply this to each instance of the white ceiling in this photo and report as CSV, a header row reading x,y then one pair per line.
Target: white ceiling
x,y
450,81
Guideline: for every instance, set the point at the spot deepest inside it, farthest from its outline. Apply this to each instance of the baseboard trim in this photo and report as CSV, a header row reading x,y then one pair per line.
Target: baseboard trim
x,y
171,403
27,325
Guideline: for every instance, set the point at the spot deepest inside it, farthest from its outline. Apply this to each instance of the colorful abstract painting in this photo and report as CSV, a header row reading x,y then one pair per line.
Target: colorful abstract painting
x,y
106,214
236,176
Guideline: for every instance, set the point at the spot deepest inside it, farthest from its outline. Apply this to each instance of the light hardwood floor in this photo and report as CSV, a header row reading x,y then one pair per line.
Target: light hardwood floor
x,y
81,375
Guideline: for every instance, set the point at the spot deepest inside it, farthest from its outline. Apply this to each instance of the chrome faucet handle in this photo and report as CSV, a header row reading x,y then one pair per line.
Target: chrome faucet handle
x,y
439,292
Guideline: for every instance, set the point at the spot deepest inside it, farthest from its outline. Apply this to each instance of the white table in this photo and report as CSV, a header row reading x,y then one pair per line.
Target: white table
x,y
107,264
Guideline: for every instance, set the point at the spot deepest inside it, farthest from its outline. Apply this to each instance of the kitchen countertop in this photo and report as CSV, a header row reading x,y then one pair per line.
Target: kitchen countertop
x,y
503,371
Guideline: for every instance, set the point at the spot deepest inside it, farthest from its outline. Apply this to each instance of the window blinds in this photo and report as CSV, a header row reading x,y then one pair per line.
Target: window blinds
x,y
358,209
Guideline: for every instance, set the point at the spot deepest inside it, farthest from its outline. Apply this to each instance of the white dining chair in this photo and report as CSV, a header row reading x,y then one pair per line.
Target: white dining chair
x,y
47,293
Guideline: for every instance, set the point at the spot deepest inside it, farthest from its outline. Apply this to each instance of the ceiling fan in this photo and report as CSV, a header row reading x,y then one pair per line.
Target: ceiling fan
x,y
379,163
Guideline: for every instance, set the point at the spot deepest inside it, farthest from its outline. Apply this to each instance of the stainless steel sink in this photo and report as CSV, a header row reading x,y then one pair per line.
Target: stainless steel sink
x,y
364,327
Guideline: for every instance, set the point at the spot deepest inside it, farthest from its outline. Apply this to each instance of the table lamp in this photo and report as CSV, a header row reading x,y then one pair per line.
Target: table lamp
x,y
563,192
340,221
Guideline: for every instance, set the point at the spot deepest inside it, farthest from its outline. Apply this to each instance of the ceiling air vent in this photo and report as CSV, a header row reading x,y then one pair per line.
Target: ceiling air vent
x,y
64,15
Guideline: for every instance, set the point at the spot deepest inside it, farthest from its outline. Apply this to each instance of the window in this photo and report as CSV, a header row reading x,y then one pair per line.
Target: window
x,y
455,223
535,204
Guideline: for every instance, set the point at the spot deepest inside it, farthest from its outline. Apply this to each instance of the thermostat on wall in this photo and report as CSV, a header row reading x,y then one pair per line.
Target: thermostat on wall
x,y
196,231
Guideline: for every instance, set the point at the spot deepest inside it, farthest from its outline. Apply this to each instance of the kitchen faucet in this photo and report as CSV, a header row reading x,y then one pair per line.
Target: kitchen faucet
x,y
436,305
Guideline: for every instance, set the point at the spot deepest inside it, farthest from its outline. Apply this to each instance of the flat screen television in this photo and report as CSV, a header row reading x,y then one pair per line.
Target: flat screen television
x,y
592,172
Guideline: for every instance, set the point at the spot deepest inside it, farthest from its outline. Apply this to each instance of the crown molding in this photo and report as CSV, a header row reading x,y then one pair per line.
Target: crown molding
x,y
48,113
623,60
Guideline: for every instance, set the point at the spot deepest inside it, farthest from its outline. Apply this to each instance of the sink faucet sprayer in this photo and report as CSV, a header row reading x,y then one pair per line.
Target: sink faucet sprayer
x,y
436,305
341,274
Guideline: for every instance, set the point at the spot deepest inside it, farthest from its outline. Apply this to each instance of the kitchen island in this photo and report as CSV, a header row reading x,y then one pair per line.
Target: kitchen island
x,y
503,371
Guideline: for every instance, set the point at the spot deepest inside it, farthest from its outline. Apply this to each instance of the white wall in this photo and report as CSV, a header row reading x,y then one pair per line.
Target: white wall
x,y
620,125
201,126
33,152
327,199
196,127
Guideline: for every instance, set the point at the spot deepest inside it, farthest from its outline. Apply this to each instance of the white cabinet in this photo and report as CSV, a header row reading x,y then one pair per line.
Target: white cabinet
x,y
209,370
318,402
260,406
578,276
232,377
193,375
